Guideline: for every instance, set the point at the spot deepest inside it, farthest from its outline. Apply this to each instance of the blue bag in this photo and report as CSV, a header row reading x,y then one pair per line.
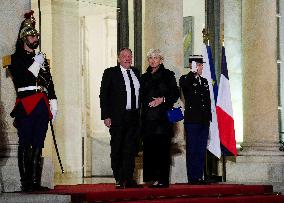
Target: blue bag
x,y
174,114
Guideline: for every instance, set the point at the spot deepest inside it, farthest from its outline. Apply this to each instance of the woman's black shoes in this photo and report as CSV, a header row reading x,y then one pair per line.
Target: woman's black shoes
x,y
127,184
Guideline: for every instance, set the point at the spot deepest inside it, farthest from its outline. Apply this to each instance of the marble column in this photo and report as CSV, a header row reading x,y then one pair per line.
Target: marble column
x,y
233,45
67,76
163,29
260,161
281,57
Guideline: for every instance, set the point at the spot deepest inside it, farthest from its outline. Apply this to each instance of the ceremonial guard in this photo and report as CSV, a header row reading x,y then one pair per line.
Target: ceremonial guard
x,y
197,117
36,103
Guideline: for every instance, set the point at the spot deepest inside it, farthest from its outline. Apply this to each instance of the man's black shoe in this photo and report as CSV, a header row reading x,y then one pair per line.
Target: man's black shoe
x,y
158,184
119,185
132,184
213,179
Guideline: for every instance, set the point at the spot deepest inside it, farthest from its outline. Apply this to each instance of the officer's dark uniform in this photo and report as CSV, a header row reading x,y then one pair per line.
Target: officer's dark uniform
x,y
197,116
32,114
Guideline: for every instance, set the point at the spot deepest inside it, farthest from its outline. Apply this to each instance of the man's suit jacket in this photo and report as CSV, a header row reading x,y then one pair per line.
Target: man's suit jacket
x,y
113,96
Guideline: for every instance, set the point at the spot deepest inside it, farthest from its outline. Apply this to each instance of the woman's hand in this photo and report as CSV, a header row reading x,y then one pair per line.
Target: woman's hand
x,y
156,102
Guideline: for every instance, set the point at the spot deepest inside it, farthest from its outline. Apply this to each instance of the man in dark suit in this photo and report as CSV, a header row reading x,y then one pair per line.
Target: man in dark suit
x,y
119,102
197,116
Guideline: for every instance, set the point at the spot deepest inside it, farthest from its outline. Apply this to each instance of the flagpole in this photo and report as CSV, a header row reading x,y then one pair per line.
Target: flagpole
x,y
224,172
214,143
225,113
224,168
206,166
205,36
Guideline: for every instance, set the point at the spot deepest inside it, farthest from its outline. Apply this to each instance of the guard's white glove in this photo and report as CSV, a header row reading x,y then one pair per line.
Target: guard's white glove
x,y
39,58
37,64
53,108
193,67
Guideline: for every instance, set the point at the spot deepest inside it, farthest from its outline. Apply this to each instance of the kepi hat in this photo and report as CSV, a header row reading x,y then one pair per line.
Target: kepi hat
x,y
196,58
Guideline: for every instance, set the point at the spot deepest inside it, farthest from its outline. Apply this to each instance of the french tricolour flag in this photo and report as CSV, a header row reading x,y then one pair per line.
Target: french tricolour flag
x,y
213,144
225,111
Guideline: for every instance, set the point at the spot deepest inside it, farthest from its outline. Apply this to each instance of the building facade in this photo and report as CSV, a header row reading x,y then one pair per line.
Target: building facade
x,y
80,38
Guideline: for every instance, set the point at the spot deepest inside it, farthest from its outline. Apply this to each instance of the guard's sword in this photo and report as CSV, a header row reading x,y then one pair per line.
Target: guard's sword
x,y
56,148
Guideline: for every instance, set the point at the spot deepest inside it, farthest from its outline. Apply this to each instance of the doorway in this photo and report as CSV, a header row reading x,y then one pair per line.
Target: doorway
x,y
80,37
98,28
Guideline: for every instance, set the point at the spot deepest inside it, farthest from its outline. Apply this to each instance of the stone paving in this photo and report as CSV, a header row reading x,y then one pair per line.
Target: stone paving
x,y
33,198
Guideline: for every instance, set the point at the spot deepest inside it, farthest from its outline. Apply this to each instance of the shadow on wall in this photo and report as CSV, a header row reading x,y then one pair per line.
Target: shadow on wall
x,y
176,145
4,150
3,133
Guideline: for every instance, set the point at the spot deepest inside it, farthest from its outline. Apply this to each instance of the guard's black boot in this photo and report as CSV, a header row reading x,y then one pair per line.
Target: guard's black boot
x,y
37,170
24,159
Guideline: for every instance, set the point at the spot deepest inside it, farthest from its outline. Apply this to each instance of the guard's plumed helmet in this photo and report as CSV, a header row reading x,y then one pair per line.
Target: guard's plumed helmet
x,y
28,26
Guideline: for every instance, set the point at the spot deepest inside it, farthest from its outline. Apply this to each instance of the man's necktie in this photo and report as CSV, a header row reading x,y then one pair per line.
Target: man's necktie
x,y
133,97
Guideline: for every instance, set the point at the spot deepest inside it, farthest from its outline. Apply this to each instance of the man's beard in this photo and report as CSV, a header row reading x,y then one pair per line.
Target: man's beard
x,y
33,45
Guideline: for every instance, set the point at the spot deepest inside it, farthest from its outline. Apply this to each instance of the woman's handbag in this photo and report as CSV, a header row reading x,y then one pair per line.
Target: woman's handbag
x,y
175,114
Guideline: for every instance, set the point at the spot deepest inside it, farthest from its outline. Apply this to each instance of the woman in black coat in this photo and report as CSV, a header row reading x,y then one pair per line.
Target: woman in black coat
x,y
159,92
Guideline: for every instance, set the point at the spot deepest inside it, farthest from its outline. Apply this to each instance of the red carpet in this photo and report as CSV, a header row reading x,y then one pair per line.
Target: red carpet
x,y
177,193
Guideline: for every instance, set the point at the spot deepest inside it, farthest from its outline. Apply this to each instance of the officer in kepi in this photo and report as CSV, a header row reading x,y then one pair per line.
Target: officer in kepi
x,y
197,116
36,103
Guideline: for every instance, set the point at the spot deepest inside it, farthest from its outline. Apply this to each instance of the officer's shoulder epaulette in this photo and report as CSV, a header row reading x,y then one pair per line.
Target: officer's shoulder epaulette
x,y
6,61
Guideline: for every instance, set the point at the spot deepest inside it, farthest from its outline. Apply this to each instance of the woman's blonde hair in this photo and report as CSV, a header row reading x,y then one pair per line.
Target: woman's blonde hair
x,y
155,52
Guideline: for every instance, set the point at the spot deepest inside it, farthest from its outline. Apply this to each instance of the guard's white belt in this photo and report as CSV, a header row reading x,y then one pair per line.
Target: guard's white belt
x,y
21,89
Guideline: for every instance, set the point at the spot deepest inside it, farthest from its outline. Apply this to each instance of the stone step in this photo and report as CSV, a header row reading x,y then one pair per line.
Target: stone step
x,y
33,198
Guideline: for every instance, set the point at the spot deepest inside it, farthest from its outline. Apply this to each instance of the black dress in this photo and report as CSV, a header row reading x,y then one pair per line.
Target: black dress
x,y
156,130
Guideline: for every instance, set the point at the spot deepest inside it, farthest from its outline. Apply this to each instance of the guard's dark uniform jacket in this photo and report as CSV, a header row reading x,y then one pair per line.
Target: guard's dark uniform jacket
x,y
27,100
197,99
196,122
